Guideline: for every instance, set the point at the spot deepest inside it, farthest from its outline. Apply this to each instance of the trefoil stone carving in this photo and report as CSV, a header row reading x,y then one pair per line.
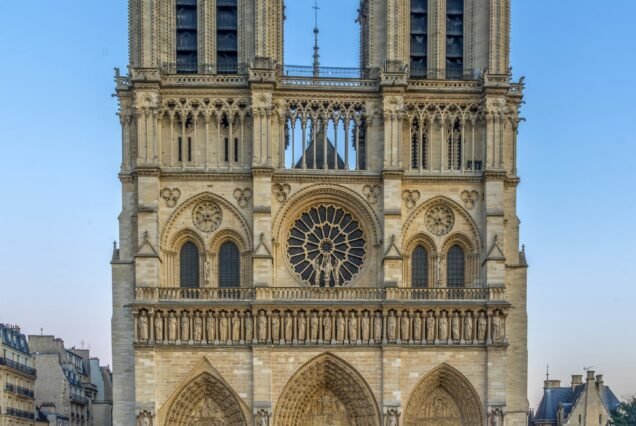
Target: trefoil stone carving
x,y
410,198
281,191
171,196
371,192
242,196
439,220
207,216
470,199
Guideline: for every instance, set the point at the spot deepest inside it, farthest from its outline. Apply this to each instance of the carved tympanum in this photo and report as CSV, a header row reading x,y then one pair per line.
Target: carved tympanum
x,y
326,246
207,216
440,220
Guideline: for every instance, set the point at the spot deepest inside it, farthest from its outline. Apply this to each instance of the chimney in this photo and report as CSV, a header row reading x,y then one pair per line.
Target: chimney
x,y
590,376
551,384
577,379
599,381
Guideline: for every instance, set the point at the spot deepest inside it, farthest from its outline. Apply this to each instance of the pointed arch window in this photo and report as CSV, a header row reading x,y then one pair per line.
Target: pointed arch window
x,y
455,267
419,268
419,38
187,38
189,266
229,265
454,39
227,36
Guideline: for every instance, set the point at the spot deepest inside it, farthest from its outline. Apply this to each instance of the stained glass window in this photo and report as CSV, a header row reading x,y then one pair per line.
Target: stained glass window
x,y
455,267
189,265
229,266
419,268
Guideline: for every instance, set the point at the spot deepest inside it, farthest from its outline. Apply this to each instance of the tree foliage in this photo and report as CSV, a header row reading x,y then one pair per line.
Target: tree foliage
x,y
625,413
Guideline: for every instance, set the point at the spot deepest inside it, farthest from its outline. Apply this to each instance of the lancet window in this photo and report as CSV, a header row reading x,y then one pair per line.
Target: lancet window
x,y
419,144
189,265
454,39
227,36
455,138
419,268
186,36
455,268
419,38
229,265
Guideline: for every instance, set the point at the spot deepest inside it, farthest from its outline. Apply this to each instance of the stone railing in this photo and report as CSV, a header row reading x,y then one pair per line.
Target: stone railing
x,y
320,325
302,294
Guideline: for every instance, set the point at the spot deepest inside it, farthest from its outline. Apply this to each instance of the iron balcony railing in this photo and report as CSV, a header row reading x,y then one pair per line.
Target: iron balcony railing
x,y
279,294
19,390
18,367
23,414
79,399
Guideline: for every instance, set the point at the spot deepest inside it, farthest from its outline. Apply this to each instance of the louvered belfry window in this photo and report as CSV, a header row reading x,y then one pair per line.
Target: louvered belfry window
x,y
187,38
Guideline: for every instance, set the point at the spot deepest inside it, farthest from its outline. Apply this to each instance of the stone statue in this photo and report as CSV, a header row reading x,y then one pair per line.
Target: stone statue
x,y
392,417
430,327
185,327
443,327
377,327
353,327
206,271
211,327
302,326
172,327
364,327
326,327
262,418
405,327
313,327
496,328
340,328
236,327
391,327
142,332
275,327
482,326
144,419
455,327
158,327
496,417
289,327
198,328
249,327
417,328
223,328
468,327
262,327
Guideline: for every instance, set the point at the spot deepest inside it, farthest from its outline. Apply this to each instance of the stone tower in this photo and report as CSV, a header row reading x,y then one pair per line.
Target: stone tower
x,y
310,246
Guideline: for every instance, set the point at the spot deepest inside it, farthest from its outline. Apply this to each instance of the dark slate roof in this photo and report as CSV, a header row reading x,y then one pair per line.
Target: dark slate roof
x,y
12,337
553,398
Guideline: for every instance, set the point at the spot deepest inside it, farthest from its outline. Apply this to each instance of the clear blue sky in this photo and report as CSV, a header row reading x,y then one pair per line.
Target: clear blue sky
x,y
60,143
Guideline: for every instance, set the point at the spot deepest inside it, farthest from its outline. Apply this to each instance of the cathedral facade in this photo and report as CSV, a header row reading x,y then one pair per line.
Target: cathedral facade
x,y
319,246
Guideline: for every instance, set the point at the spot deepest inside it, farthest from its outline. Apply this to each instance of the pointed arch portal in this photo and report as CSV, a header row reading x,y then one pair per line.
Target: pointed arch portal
x,y
444,397
326,391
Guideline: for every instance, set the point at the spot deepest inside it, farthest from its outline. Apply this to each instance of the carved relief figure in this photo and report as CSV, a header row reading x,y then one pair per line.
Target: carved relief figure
x,y
340,328
455,327
364,326
249,327
236,327
198,328
405,327
391,326
430,327
468,327
275,327
496,417
377,327
289,327
482,327
142,327
443,327
144,419
211,327
262,327
392,418
262,418
158,327
496,328
353,327
326,327
223,328
302,326
417,328
172,327
313,327
185,327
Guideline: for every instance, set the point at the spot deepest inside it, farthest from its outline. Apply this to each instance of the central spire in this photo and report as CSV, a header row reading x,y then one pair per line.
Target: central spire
x,y
316,48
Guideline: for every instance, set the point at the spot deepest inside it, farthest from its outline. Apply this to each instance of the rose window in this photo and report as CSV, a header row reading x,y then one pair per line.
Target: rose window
x,y
440,220
207,216
326,247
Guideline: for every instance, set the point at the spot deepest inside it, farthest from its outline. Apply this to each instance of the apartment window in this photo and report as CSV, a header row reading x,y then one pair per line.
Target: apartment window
x,y
419,38
189,265
419,268
187,39
229,265
454,39
455,267
227,36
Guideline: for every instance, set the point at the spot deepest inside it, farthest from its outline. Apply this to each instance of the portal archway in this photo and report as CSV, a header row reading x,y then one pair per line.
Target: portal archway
x,y
326,391
444,397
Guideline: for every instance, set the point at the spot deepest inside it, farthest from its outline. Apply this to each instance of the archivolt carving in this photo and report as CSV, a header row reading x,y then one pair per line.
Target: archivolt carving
x,y
326,390
444,397
206,400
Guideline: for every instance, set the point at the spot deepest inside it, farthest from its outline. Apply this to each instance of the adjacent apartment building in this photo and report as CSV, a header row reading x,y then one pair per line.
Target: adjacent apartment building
x,y
17,378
